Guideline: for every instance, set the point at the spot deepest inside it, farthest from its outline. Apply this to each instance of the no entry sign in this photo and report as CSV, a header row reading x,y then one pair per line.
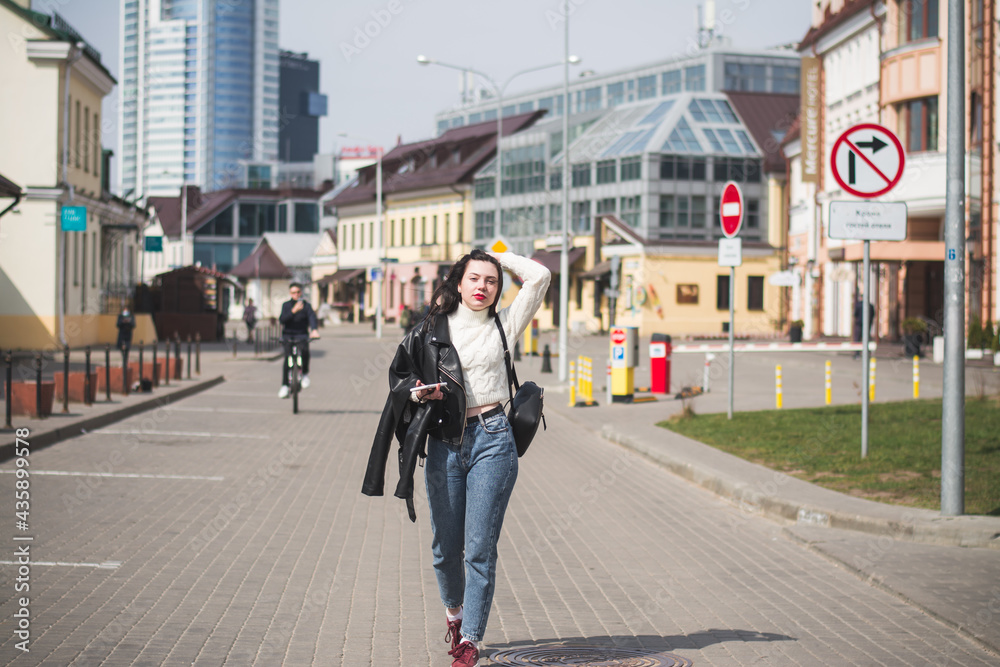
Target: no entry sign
x,y
618,335
867,160
731,209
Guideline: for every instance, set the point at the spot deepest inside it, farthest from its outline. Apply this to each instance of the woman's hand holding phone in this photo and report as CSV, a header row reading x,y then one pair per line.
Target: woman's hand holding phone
x,y
429,392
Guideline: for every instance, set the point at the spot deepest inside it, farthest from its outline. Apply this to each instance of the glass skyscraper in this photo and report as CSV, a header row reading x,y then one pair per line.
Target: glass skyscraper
x,y
199,85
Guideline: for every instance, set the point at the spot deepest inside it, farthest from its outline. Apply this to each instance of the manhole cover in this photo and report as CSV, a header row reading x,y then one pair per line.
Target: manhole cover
x,y
587,656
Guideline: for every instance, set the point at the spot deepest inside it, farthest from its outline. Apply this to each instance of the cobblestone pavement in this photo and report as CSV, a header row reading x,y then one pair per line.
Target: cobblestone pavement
x,y
223,530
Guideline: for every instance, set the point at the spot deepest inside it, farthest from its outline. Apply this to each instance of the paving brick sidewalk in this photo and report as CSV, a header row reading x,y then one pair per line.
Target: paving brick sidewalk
x,y
226,531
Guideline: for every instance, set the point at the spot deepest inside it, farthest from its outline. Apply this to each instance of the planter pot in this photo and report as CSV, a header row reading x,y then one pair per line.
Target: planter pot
x,y
24,399
795,334
116,380
77,384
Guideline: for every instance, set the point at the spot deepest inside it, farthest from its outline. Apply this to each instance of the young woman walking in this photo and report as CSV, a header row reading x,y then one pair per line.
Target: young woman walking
x,y
471,462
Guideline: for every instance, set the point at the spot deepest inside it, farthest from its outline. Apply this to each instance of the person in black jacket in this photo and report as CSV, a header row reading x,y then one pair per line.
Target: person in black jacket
x,y
471,459
298,320
125,324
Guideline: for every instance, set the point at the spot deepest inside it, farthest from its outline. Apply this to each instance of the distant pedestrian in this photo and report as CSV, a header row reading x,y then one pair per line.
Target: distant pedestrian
x,y
859,326
471,459
406,319
250,318
125,324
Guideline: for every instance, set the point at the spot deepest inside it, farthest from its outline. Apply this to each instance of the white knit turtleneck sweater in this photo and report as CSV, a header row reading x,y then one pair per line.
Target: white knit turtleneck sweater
x,y
477,341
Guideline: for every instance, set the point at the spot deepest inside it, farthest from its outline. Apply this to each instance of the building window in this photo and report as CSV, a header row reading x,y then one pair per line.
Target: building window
x,y
671,82
683,206
257,219
392,233
484,225
486,188
581,216
631,168
413,231
918,124
423,229
555,217
647,86
631,210
555,180
76,259
591,99
616,93
461,228
743,76
753,214
784,79
606,171
722,292
524,170
86,139
698,212
97,145
694,78
434,229
755,292
306,218
666,211
606,206
76,139
581,175
918,19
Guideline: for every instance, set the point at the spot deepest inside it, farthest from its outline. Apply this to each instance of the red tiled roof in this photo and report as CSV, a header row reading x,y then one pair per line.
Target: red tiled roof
x,y
831,21
765,114
476,145
263,262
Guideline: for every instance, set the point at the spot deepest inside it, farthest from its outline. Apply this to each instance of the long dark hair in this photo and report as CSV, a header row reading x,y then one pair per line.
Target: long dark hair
x,y
446,298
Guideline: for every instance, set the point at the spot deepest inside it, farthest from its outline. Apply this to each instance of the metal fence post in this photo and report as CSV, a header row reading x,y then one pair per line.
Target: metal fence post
x,y
156,363
142,368
189,357
125,370
10,387
107,371
65,379
87,388
38,384
197,353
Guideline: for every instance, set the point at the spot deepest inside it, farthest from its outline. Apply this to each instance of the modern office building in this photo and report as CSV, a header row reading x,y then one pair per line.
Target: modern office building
x,y
200,92
301,106
712,69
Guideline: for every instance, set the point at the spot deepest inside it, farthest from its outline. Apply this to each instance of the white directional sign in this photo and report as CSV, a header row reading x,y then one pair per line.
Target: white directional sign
x,y
731,251
867,220
867,160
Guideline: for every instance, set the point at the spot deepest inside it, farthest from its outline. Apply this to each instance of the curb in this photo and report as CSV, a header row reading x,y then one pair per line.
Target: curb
x,y
901,523
92,423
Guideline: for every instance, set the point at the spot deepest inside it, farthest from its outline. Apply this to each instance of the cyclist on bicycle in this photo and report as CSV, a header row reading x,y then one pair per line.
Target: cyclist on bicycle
x,y
298,321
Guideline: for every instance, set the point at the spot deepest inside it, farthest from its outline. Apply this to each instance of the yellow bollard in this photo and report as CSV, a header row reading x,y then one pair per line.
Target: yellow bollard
x,y
588,391
871,380
829,384
777,386
916,376
572,383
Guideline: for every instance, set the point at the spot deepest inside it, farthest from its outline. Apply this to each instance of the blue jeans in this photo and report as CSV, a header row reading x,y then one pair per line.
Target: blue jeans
x,y
468,489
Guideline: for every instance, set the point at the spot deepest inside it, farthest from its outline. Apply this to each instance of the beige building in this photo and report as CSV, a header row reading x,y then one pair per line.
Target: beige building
x,y
60,286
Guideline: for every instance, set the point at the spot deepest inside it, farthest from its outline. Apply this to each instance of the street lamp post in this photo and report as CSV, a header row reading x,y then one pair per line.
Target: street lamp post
x,y
380,264
498,185
498,90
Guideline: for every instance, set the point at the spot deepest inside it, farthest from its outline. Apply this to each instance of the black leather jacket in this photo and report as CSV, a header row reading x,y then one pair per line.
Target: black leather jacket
x,y
428,355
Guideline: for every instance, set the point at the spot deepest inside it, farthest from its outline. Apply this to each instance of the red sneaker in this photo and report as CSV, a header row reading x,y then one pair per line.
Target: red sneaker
x,y
454,633
466,655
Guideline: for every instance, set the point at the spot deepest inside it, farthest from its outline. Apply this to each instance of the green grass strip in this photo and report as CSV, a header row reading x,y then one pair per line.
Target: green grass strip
x,y
823,446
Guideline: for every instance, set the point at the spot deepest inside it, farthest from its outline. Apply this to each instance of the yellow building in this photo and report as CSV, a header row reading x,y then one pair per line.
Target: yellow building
x,y
59,286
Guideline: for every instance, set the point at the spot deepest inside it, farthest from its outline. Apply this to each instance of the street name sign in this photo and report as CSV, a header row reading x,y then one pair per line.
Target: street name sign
x,y
731,252
731,209
867,160
867,221
74,218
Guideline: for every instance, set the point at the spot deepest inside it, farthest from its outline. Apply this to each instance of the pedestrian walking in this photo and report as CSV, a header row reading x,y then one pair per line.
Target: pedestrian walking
x,y
406,319
471,460
859,325
125,324
250,319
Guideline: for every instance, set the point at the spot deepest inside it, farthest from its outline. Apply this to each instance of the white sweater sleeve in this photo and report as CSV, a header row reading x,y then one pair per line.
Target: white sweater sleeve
x,y
536,278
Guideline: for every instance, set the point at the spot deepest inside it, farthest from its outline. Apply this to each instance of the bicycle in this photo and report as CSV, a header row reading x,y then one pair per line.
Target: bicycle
x,y
293,359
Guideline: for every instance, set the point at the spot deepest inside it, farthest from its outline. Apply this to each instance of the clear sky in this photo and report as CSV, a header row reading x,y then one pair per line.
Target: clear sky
x,y
376,89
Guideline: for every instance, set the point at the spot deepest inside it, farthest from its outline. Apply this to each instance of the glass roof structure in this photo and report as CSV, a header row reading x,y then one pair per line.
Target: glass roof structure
x,y
698,123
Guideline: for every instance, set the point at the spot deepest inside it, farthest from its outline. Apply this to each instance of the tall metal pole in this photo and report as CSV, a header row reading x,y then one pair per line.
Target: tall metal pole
x,y
732,336
865,354
184,218
564,254
378,244
953,399
498,186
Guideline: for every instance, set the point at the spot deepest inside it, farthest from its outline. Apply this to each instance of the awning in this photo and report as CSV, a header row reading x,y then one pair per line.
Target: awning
x,y
599,271
550,260
340,276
